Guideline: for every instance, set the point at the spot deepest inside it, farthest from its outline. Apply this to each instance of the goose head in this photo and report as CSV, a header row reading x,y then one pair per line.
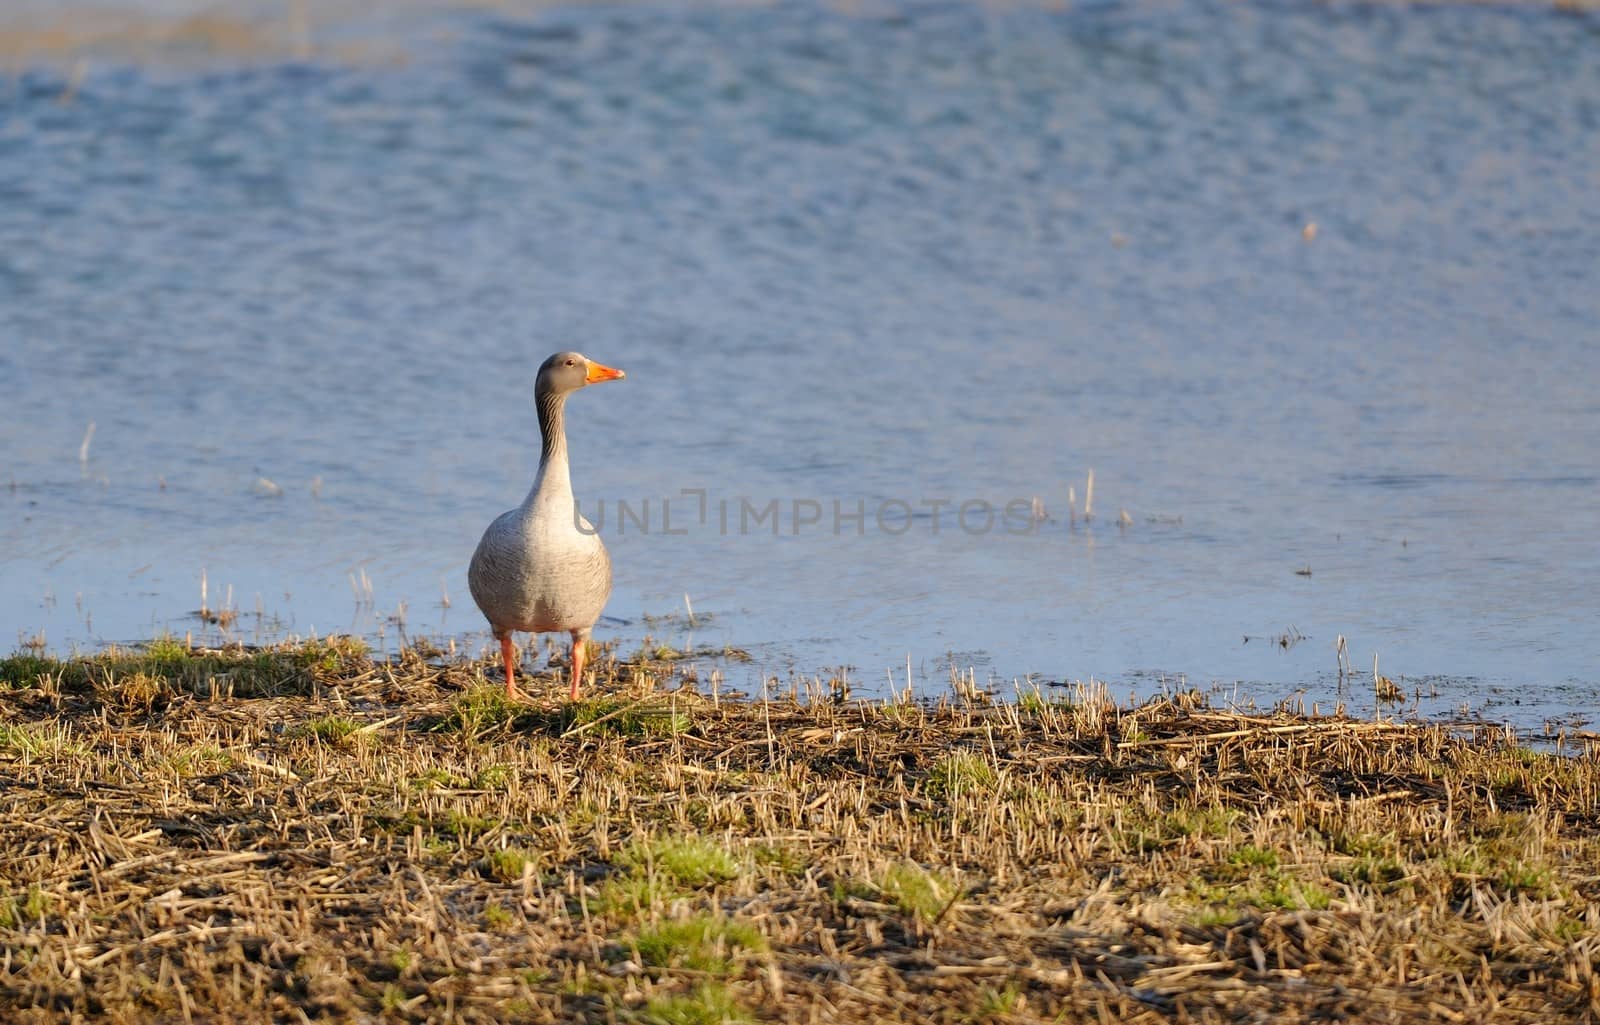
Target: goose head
x,y
566,372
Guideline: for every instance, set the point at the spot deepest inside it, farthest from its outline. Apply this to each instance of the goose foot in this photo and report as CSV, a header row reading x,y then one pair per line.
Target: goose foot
x,y
508,655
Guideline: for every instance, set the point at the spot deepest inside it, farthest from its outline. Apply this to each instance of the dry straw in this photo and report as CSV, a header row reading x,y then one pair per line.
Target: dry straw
x,y
307,834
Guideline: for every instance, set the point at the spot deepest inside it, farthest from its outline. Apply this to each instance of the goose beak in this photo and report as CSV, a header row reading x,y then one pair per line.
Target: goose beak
x,y
600,372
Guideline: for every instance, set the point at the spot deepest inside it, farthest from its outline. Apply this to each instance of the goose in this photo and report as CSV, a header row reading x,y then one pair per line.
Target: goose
x,y
541,567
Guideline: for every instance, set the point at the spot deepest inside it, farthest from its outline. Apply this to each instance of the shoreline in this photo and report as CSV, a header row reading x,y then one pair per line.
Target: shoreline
x,y
304,830
667,644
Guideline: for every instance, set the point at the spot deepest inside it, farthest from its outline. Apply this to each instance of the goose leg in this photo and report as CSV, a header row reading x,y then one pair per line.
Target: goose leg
x,y
506,654
580,652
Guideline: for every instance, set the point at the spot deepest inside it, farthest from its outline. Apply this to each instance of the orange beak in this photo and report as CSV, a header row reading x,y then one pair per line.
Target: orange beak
x,y
599,372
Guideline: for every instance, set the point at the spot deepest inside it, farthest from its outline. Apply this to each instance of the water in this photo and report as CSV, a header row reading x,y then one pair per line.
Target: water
x,y
908,254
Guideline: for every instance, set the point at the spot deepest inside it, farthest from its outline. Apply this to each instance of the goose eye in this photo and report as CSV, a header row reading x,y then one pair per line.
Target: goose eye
x,y
571,363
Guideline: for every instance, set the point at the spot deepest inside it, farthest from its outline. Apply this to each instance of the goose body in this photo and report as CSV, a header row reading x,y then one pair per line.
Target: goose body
x,y
530,575
541,567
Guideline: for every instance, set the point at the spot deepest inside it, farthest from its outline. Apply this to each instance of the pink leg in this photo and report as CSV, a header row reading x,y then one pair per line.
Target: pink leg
x,y
506,653
579,653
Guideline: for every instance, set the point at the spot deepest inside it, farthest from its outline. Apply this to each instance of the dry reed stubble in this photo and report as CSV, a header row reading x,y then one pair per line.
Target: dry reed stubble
x,y
379,840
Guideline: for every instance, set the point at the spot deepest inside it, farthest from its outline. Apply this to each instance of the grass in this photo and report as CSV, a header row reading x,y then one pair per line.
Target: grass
x,y
197,833
497,917
492,777
167,648
611,716
634,897
329,729
1251,856
960,773
994,1002
508,864
24,670
704,943
480,709
31,907
46,741
167,668
708,1004
687,861
485,708
917,892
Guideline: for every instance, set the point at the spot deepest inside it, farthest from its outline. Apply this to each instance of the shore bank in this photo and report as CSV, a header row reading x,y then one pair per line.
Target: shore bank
x,y
215,835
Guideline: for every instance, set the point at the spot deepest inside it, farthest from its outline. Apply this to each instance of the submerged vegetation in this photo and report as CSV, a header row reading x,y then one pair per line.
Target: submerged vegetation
x,y
304,831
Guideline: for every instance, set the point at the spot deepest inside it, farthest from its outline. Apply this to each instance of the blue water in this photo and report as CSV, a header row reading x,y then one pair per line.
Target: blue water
x,y
901,258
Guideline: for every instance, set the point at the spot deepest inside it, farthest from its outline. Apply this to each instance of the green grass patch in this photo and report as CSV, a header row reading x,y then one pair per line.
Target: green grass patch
x,y
1032,702
1360,845
46,740
959,773
486,707
1526,878
1271,891
994,1002
1213,822
508,864
329,729
446,832
332,655
703,943
434,779
134,692
245,674
685,860
710,1003
199,760
498,918
1251,856
1214,916
916,891
482,708
491,777
1153,831
1383,873
631,896
30,907
618,717
1503,865
166,648
393,999
1284,893
790,861
22,671
171,667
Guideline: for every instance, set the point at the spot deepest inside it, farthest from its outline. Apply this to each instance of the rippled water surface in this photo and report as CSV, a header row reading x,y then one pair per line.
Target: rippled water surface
x,y
901,258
